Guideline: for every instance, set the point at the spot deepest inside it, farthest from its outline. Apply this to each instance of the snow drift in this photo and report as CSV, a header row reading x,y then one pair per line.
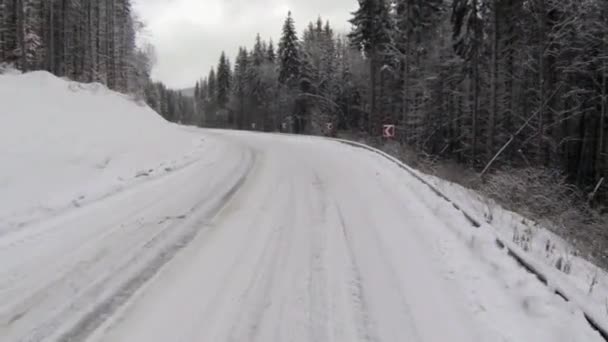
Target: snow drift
x,y
63,144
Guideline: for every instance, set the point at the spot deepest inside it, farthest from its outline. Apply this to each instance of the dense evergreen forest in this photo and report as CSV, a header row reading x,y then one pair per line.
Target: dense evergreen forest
x,y
513,90
86,41
489,84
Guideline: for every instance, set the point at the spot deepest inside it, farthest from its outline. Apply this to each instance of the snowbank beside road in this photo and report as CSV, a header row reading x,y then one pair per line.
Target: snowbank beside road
x,y
63,144
567,271
552,259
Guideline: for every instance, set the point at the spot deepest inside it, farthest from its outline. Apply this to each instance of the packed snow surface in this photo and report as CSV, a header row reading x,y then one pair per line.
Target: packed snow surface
x,y
117,226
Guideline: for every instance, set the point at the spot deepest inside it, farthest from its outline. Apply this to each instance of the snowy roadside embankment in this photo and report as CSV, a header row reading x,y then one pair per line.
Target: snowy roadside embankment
x,y
64,144
551,258
566,271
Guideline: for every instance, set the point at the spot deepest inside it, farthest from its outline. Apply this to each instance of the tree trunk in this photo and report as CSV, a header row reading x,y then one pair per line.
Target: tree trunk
x,y
21,34
406,87
475,86
541,83
50,53
406,75
510,84
112,46
372,111
599,157
493,113
2,31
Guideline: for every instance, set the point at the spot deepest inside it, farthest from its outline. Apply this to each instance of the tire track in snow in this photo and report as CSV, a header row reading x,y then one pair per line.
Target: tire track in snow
x,y
389,274
317,278
18,277
257,295
53,280
80,273
218,299
365,327
58,214
97,315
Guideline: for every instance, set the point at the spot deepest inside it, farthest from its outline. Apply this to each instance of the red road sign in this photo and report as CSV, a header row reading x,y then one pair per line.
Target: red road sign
x,y
388,131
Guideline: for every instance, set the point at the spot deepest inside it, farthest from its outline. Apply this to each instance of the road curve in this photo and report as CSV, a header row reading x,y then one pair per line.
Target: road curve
x,y
273,238
325,242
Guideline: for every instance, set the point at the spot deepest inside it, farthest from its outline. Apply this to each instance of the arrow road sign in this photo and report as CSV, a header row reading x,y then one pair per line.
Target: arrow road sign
x,y
388,131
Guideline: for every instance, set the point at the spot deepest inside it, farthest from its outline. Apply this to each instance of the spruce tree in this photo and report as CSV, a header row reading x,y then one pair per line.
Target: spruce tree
x,y
289,54
212,86
415,24
371,27
468,36
372,35
241,69
223,81
258,52
271,55
211,103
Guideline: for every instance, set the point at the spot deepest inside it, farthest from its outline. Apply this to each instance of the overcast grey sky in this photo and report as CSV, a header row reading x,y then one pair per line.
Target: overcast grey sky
x,y
189,35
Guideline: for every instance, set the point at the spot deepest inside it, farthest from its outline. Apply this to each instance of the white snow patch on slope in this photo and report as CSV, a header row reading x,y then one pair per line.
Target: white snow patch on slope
x,y
63,144
584,282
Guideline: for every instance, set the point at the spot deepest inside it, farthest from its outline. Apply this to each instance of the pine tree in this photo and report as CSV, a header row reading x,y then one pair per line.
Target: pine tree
x,y
271,55
3,29
211,103
33,44
415,23
212,86
289,54
204,84
241,70
468,37
223,81
258,53
372,35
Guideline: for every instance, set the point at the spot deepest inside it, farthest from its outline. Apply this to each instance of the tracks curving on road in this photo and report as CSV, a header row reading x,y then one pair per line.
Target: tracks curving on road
x,y
272,238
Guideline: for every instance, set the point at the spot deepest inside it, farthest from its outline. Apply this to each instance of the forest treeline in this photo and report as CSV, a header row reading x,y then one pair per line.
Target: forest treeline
x,y
488,84
86,41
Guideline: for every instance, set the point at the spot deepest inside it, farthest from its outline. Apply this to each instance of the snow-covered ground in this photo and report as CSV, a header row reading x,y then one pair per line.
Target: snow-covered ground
x,y
326,242
64,144
242,237
556,258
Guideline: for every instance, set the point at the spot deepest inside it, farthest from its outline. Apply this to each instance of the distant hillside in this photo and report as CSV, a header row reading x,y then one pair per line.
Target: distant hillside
x,y
188,92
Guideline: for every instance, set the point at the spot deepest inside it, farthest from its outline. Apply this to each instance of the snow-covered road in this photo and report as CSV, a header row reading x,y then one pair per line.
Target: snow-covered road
x,y
272,238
